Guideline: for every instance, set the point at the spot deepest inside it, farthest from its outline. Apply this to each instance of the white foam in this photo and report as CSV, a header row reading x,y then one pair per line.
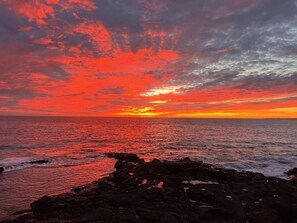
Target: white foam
x,y
196,182
186,189
15,160
18,163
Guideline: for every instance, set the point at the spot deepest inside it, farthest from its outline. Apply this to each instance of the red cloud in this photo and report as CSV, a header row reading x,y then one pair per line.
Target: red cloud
x,y
39,10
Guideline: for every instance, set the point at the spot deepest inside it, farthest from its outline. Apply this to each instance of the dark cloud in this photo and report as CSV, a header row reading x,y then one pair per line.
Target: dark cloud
x,y
9,27
13,96
19,93
120,15
265,82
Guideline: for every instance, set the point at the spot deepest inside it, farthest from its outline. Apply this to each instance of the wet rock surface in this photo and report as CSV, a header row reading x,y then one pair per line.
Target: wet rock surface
x,y
38,162
171,191
292,172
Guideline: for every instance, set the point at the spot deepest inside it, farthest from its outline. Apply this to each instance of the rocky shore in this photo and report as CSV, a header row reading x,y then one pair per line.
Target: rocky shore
x,y
169,192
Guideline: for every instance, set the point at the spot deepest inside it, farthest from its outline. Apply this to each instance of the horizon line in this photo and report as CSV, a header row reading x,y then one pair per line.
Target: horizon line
x,y
142,117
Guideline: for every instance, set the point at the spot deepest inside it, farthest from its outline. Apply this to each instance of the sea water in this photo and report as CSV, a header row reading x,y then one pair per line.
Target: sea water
x,y
75,148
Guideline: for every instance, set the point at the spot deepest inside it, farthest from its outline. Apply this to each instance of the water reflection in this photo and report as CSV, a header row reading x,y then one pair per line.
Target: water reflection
x,y
76,148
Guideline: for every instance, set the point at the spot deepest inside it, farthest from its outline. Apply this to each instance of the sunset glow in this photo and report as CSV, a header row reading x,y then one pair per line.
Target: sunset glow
x,y
149,58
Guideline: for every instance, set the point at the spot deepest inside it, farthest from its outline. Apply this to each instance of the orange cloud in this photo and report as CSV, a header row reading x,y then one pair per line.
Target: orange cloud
x,y
125,63
140,112
98,35
39,10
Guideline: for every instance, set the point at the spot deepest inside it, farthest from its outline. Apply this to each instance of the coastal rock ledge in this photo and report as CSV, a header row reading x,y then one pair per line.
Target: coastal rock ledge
x,y
169,192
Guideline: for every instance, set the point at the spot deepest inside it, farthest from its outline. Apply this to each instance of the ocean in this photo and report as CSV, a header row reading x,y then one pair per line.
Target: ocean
x,y
75,148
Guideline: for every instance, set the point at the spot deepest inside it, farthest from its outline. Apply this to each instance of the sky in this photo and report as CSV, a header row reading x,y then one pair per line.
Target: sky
x,y
149,58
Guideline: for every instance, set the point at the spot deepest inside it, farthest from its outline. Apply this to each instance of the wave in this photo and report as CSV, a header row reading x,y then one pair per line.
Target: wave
x,y
10,147
100,140
19,163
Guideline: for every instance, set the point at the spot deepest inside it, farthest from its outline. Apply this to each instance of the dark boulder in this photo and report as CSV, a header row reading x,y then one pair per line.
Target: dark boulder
x,y
1,169
45,208
130,157
38,161
292,172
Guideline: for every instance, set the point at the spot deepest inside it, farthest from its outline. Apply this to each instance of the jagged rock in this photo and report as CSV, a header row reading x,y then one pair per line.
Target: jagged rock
x,y
38,161
124,156
171,191
292,172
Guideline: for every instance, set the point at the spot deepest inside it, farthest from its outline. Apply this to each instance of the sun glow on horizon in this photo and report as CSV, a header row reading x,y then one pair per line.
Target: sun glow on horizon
x,y
140,112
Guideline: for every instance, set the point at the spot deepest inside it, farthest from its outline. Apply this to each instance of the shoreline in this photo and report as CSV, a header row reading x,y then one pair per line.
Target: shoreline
x,y
170,191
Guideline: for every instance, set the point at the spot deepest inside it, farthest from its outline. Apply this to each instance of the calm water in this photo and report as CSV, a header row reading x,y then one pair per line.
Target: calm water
x,y
76,148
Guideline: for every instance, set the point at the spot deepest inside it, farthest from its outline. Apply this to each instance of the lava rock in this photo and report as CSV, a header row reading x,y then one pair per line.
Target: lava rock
x,y
171,191
124,156
292,172
45,208
38,161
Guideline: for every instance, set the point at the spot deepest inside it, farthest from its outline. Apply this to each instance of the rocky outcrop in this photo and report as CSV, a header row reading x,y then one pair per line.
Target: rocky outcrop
x,y
38,162
171,191
292,172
